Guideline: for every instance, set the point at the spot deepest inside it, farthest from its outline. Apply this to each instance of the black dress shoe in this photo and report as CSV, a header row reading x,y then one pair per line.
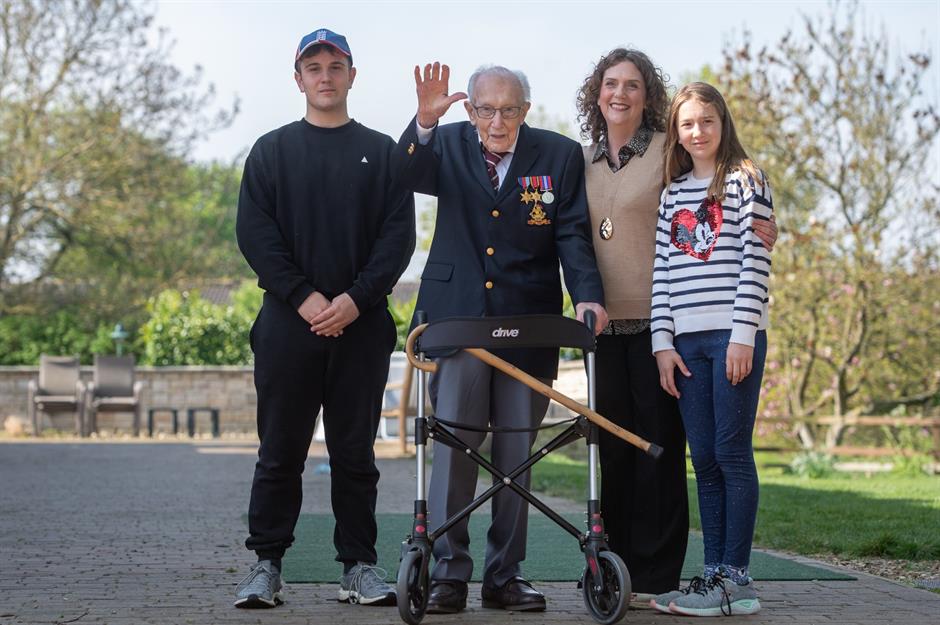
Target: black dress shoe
x,y
516,594
447,597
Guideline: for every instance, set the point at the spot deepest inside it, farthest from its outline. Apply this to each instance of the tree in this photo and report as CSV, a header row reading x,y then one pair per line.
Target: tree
x,y
95,129
844,130
184,238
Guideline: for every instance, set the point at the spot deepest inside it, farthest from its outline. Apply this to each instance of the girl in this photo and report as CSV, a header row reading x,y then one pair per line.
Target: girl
x,y
709,311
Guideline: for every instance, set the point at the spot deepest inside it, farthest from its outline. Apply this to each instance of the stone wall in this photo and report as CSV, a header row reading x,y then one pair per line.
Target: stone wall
x,y
230,389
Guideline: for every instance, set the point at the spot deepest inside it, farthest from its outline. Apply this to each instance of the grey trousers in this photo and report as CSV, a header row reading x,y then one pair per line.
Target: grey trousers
x,y
466,390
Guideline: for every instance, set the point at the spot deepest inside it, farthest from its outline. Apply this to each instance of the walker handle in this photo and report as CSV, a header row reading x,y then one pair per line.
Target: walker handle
x,y
590,319
428,366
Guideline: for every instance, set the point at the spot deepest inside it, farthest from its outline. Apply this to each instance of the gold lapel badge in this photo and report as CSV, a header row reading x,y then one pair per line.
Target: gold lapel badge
x,y
537,216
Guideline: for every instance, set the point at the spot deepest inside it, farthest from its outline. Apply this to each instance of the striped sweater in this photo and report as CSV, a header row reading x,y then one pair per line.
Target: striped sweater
x,y
711,272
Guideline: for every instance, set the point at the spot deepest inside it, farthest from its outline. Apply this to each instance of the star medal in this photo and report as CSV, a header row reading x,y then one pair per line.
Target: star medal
x,y
607,229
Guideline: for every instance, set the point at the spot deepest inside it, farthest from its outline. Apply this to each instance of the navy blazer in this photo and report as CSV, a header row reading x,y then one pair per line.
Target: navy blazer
x,y
490,255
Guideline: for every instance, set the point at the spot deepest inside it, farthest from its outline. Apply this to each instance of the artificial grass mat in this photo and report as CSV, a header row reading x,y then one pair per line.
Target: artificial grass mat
x,y
551,555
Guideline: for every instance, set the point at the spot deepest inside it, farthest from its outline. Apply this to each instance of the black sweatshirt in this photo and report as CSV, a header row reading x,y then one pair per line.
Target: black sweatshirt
x,y
318,211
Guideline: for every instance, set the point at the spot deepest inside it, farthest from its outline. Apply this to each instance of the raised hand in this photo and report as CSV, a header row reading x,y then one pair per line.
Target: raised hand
x,y
433,100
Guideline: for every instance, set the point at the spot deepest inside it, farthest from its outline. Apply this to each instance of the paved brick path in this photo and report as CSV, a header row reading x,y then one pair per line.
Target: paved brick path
x,y
126,533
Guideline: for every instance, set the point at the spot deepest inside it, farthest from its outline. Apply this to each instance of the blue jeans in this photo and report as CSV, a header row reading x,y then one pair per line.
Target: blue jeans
x,y
719,424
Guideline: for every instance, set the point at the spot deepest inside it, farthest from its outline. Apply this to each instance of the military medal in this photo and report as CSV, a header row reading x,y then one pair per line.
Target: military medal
x,y
545,183
537,216
607,228
531,186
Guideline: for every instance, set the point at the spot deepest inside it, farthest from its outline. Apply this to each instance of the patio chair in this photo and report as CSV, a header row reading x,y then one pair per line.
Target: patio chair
x,y
114,390
58,389
393,408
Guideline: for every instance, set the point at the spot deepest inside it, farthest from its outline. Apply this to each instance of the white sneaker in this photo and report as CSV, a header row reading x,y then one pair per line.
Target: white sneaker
x,y
363,585
661,602
261,588
719,597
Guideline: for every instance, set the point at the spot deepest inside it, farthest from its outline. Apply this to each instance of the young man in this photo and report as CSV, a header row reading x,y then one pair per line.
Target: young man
x,y
328,233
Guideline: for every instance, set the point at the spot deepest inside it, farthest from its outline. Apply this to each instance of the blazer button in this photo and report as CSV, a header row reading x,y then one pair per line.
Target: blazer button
x,y
495,213
489,284
490,251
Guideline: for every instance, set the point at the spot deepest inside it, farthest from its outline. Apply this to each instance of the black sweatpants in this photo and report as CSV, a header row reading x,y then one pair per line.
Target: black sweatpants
x,y
644,502
295,373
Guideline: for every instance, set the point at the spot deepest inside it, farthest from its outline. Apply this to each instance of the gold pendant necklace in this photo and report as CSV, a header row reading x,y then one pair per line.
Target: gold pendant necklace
x,y
606,229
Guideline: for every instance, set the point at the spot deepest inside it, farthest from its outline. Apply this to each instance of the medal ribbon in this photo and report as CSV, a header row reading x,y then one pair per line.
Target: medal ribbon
x,y
535,182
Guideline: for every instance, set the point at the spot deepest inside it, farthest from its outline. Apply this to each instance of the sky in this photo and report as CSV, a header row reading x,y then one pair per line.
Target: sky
x,y
246,49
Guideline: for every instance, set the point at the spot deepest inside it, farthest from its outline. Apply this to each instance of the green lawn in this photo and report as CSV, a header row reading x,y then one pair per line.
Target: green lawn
x,y
883,515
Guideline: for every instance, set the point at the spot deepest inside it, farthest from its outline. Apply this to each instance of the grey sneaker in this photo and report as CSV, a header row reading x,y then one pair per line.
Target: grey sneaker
x,y
364,585
719,597
261,588
661,602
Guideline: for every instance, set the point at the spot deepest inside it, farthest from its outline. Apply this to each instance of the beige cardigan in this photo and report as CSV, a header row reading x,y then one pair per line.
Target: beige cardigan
x,y
630,198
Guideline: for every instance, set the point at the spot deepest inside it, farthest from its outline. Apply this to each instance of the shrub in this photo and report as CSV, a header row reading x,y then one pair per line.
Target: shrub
x,y
185,329
913,446
402,312
813,465
62,333
911,465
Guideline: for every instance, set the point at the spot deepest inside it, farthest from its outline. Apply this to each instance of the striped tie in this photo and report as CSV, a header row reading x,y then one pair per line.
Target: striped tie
x,y
492,160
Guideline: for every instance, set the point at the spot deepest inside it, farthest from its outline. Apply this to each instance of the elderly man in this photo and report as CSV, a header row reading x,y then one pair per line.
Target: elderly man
x,y
511,204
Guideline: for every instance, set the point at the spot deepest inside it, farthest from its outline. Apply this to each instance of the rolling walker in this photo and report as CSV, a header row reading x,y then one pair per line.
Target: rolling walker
x,y
606,581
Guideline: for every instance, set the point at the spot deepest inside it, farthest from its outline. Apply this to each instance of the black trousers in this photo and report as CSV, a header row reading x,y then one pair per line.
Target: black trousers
x,y
297,372
644,502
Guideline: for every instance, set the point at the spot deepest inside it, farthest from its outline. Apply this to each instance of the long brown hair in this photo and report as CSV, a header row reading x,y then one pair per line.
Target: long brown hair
x,y
731,155
655,109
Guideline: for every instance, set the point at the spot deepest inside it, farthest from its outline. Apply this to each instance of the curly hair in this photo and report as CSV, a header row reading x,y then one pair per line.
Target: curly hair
x,y
656,109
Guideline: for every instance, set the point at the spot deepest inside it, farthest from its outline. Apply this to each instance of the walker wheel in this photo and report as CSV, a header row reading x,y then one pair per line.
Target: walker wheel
x,y
608,603
412,586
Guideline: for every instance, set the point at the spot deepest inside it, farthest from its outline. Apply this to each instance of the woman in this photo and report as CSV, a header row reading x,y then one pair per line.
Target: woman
x,y
623,108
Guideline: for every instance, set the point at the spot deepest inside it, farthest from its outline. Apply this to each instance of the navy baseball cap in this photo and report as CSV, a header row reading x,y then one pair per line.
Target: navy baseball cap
x,y
323,36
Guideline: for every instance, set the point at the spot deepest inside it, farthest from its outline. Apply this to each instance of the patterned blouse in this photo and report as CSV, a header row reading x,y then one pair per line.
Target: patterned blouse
x,y
635,146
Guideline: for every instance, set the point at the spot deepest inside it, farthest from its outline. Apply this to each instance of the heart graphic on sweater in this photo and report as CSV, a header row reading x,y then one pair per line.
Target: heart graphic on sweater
x,y
696,233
